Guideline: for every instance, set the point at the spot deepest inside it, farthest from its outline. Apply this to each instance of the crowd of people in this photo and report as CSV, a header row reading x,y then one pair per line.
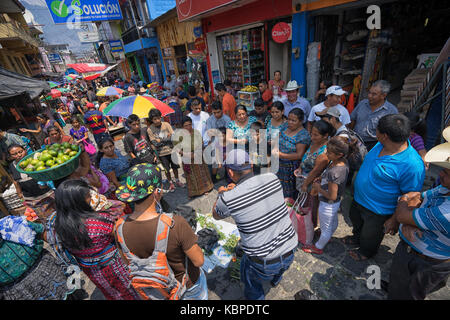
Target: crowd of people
x,y
110,219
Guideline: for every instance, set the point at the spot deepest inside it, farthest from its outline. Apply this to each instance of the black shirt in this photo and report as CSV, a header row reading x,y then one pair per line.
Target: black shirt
x,y
139,144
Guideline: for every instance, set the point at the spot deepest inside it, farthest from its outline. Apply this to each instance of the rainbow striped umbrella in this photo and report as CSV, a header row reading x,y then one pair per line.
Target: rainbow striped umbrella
x,y
109,91
53,84
138,105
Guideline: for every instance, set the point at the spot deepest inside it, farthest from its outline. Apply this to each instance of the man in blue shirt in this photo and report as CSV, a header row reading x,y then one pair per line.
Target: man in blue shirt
x,y
293,100
392,168
421,263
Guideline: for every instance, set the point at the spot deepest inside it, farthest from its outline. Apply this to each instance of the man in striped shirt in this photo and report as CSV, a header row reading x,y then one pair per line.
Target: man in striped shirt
x,y
256,204
421,263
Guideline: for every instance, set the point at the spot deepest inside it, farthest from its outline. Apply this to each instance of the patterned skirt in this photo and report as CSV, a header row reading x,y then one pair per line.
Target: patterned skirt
x,y
198,179
113,280
287,179
44,281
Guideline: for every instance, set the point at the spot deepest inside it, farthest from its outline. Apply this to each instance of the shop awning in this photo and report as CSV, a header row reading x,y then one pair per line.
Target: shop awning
x,y
190,10
87,67
14,84
95,75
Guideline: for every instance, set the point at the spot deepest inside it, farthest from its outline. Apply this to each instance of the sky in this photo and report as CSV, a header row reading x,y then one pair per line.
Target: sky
x,y
54,34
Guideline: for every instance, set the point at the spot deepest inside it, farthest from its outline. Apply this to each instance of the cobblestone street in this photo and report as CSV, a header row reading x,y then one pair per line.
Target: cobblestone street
x,y
331,276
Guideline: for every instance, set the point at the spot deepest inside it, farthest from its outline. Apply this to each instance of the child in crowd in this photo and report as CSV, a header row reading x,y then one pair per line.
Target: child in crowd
x,y
260,111
259,148
418,133
160,134
330,190
78,132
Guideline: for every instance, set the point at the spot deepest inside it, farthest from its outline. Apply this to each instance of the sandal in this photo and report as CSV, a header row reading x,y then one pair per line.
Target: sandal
x,y
357,256
350,241
312,249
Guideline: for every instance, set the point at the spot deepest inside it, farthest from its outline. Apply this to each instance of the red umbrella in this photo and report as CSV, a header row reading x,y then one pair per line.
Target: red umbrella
x,y
54,93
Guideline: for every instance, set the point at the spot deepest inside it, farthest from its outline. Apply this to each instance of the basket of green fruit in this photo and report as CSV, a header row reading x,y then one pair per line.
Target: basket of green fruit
x,y
52,162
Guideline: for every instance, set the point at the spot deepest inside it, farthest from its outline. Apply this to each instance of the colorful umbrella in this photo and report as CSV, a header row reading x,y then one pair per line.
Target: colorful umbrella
x,y
109,91
53,84
63,90
138,105
54,93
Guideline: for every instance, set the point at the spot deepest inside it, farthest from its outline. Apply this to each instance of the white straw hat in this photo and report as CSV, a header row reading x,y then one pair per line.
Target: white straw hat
x,y
440,155
292,85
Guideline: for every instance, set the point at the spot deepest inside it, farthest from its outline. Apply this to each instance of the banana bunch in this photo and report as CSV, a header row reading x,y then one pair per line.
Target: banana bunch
x,y
250,89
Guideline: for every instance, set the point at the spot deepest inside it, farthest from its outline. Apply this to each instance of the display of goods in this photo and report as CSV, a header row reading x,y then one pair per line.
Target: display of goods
x,y
52,162
250,89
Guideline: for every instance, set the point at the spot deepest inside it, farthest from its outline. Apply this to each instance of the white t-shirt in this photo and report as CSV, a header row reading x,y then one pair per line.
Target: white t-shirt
x,y
344,118
199,123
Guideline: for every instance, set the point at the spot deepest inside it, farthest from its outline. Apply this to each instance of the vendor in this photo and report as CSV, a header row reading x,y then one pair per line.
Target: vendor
x,y
54,136
37,195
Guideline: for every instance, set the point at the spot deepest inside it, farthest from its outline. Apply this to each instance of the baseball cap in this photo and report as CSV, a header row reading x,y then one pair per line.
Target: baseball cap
x,y
333,111
90,105
336,90
142,180
238,160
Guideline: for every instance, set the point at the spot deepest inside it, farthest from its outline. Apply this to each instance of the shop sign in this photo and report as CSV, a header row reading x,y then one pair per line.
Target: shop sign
x,y
66,11
54,58
200,44
189,8
281,32
88,37
115,45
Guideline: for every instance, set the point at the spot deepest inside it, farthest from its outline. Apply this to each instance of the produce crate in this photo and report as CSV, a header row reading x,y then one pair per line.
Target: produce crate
x,y
55,173
247,99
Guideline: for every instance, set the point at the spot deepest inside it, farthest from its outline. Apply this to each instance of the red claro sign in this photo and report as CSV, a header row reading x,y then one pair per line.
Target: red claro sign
x,y
281,32
200,44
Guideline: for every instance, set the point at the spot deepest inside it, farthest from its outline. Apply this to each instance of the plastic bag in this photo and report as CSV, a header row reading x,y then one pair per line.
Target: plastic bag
x,y
300,214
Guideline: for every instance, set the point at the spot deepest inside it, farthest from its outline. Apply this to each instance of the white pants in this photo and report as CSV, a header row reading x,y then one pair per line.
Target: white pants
x,y
328,216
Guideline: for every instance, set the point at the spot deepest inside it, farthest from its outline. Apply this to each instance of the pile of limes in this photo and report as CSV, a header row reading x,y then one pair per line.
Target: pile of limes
x,y
52,156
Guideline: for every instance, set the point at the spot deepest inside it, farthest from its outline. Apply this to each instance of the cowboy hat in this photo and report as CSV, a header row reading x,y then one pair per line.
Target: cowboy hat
x,y
292,85
440,154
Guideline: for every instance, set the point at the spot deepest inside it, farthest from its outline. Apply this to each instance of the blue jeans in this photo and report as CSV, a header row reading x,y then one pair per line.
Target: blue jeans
x,y
199,291
253,274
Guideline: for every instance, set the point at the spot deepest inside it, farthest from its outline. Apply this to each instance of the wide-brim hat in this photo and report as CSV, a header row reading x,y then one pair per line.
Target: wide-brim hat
x,y
292,85
440,154
142,180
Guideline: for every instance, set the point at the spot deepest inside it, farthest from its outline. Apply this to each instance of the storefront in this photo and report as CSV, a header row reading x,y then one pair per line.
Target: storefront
x,y
178,46
240,43
354,57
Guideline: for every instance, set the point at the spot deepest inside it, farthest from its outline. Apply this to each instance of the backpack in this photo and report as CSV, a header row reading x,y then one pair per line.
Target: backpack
x,y
356,158
152,278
